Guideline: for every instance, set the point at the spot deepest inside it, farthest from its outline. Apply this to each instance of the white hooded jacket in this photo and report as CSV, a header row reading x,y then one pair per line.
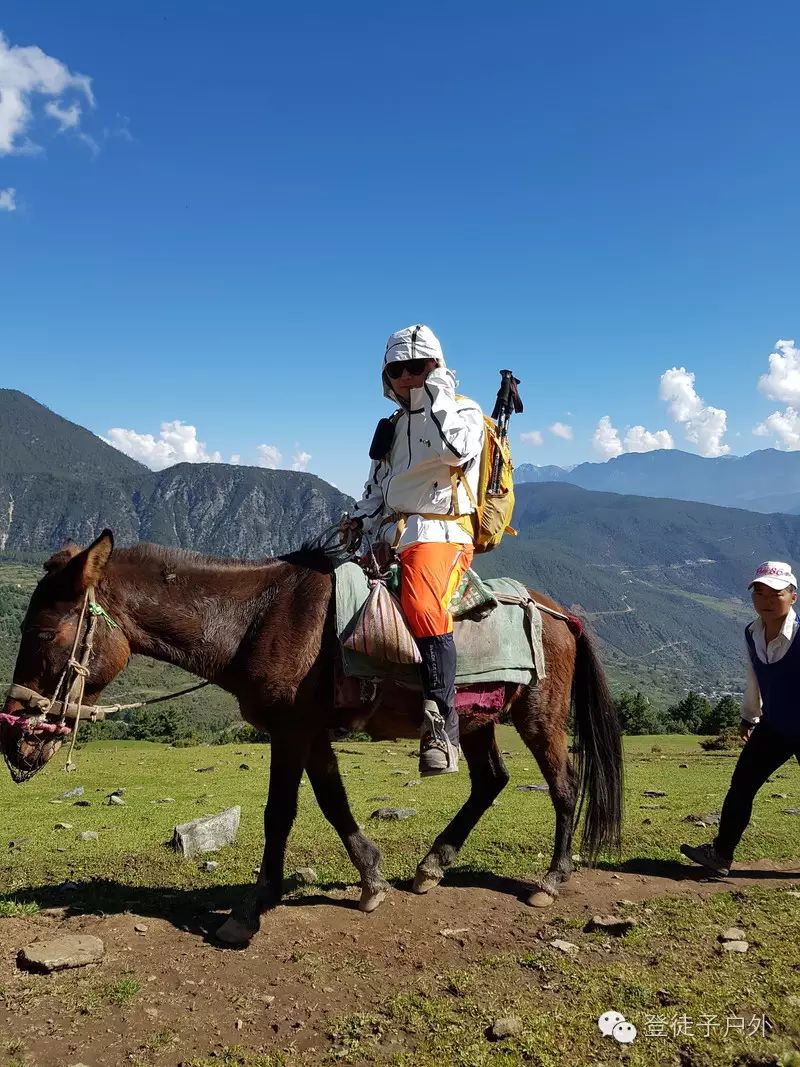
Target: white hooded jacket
x,y
434,434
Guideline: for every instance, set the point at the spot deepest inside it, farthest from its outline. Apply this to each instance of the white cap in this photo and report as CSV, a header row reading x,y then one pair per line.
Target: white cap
x,y
774,574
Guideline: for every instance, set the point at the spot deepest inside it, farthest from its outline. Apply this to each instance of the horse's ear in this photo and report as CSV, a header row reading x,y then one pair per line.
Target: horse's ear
x,y
62,557
86,567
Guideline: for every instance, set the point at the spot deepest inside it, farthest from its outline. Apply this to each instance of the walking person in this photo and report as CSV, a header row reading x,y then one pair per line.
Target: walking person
x,y
770,709
418,501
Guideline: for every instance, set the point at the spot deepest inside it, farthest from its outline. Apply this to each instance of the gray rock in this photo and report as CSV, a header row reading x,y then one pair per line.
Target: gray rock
x,y
683,765
208,866
78,791
116,799
61,953
205,770
63,826
790,811
141,928
609,924
779,796
533,789
88,835
506,1027
394,813
564,946
244,766
735,946
654,793
733,933
208,834
412,781
711,819
82,804
306,876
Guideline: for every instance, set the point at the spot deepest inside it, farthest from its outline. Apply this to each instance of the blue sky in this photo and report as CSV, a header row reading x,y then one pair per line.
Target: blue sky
x,y
253,196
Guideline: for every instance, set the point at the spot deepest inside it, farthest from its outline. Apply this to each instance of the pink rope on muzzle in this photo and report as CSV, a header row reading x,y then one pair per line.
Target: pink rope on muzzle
x,y
31,726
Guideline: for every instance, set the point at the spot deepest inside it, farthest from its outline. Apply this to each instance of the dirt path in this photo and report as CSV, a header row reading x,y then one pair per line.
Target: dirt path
x,y
316,959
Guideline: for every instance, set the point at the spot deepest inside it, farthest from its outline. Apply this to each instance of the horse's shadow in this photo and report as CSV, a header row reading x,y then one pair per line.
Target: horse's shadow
x,y
200,911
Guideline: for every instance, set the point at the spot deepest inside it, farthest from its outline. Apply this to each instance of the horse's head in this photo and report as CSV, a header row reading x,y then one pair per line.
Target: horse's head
x,y
54,632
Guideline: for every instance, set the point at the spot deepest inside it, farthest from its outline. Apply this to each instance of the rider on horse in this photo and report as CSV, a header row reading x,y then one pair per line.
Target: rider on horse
x,y
415,502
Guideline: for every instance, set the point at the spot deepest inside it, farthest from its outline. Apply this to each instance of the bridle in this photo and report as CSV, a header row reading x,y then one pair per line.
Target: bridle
x,y
50,715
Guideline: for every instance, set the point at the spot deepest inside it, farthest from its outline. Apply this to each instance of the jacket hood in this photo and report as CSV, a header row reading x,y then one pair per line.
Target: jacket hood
x,y
414,342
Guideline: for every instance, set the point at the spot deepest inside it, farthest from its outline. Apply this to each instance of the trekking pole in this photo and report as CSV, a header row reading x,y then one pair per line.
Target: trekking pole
x,y
508,402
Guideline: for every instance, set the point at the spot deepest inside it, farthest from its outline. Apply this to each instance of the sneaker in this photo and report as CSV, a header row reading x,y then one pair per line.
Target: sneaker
x,y
437,756
707,856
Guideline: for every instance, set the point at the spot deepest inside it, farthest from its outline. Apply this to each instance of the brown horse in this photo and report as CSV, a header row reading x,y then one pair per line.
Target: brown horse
x,y
264,632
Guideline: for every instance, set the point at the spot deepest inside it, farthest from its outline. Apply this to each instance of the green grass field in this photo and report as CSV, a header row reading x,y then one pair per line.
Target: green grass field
x,y
669,964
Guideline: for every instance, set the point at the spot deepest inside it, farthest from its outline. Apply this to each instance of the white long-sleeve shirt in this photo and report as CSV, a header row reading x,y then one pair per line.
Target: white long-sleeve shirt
x,y
767,653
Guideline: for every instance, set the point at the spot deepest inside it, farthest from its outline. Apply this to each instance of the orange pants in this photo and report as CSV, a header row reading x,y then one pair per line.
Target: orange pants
x,y
430,573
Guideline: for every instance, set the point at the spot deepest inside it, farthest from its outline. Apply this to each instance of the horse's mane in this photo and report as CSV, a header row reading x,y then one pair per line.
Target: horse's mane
x,y
323,553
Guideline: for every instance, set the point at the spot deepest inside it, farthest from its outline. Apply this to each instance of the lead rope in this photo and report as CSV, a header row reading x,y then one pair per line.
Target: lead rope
x,y
81,670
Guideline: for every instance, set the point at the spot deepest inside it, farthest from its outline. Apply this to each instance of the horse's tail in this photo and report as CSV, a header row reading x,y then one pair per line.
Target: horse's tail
x,y
598,754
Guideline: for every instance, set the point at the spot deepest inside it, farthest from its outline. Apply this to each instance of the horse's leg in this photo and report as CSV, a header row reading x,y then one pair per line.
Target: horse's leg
x,y
546,737
323,771
488,777
288,755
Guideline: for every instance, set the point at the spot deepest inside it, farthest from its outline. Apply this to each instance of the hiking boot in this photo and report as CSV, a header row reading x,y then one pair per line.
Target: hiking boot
x,y
437,755
707,856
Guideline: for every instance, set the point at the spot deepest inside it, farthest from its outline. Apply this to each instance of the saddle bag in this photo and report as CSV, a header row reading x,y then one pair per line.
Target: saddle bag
x,y
380,631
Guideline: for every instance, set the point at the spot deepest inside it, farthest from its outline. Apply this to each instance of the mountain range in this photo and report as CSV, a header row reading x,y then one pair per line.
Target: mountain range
x,y
661,582
766,481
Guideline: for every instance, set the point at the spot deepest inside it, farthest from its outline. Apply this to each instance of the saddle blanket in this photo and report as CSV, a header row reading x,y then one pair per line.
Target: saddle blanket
x,y
504,646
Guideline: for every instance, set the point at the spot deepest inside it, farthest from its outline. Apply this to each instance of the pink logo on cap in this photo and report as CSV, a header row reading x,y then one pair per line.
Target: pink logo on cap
x,y
778,572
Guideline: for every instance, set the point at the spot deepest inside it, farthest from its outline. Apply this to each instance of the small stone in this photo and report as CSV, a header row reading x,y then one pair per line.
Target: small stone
x,y
506,1027
88,835
115,798
394,814
63,826
163,800
779,796
152,1013
790,811
239,1024
683,765
78,791
533,789
207,834
564,946
306,876
735,946
268,999
709,819
455,933
61,953
328,989
654,793
209,865
733,933
18,842
205,770
141,928
404,773
244,766
609,924
626,903
417,781
82,804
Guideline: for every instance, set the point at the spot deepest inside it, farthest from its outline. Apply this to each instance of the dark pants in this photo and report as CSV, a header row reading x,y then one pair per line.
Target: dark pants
x,y
438,670
761,756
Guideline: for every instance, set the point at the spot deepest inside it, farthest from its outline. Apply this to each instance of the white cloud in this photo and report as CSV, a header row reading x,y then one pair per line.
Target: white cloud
x,y
268,456
8,199
533,437
637,439
605,439
66,117
607,442
27,73
176,443
300,460
560,429
704,426
784,426
782,382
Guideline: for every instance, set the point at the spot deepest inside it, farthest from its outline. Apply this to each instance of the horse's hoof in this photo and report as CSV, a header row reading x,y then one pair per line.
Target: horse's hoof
x,y
424,882
540,899
233,932
370,899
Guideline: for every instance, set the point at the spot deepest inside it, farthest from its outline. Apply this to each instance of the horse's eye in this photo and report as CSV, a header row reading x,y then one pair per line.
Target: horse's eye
x,y
46,635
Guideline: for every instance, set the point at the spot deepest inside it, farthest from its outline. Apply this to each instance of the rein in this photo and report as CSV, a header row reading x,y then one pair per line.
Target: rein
x,y
72,684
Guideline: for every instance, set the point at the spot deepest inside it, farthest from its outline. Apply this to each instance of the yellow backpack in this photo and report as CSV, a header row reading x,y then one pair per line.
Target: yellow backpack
x,y
493,511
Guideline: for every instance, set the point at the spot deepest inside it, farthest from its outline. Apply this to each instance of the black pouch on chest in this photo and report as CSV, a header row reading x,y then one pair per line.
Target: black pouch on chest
x,y
382,439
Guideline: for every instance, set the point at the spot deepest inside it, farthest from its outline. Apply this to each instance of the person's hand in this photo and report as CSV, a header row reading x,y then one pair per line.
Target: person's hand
x,y
351,529
745,729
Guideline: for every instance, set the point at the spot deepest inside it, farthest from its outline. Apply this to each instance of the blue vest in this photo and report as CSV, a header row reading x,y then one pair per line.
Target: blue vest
x,y
779,684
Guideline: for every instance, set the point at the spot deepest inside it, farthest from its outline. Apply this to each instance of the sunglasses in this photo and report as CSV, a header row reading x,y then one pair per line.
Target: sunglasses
x,y
399,367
